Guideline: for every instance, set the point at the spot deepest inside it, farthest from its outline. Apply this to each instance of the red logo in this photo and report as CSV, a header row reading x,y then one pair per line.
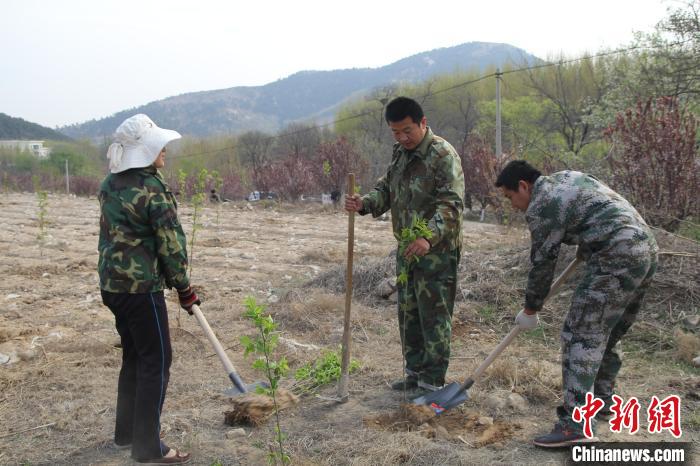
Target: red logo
x,y
661,415
587,412
626,416
665,414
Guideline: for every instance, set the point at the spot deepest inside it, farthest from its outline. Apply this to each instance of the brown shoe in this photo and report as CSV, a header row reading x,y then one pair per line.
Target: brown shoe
x,y
177,458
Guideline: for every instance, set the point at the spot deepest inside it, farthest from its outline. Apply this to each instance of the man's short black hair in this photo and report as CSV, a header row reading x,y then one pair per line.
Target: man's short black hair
x,y
516,171
402,107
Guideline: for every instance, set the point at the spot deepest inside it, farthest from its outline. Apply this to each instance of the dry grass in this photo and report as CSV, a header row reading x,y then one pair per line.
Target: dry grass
x,y
314,311
332,255
536,380
687,346
367,274
320,314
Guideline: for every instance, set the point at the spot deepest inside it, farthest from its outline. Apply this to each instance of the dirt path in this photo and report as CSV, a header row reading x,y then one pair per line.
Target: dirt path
x,y
59,384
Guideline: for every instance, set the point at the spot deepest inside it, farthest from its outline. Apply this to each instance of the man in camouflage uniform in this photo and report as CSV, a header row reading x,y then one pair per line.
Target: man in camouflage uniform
x,y
142,251
620,254
424,180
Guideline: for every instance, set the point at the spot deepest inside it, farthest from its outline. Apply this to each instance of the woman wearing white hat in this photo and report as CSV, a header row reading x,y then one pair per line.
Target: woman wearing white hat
x,y
142,251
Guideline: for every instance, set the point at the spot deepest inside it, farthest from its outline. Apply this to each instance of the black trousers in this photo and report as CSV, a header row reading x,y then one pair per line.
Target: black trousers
x,y
142,323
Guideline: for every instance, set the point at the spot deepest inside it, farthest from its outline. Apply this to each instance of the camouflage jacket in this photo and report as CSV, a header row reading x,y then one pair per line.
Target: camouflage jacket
x,y
574,208
142,246
428,182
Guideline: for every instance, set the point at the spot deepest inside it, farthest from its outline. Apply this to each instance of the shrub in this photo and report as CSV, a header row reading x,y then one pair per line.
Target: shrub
x,y
654,160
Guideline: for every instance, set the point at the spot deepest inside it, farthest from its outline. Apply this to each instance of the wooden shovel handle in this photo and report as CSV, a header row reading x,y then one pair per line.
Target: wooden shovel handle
x,y
228,365
516,330
345,363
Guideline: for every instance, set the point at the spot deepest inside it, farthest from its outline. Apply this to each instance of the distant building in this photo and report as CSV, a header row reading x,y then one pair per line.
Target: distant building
x,y
35,147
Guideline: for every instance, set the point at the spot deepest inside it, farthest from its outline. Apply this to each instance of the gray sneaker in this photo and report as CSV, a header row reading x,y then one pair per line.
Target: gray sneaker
x,y
562,436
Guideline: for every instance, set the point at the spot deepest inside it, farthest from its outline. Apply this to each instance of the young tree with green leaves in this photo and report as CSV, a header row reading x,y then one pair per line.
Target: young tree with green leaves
x,y
263,345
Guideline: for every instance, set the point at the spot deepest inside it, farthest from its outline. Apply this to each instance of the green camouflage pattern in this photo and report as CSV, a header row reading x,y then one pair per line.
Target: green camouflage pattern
x,y
427,182
575,208
426,303
142,245
603,308
620,254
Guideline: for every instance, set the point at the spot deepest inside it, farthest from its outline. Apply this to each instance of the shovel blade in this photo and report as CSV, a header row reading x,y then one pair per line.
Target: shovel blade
x,y
447,397
249,388
456,400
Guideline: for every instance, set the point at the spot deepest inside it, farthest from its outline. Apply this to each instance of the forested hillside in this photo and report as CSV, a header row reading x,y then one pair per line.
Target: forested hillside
x,y
306,95
17,128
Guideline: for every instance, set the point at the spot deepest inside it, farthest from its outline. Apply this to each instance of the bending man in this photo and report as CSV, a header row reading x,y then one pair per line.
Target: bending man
x,y
620,253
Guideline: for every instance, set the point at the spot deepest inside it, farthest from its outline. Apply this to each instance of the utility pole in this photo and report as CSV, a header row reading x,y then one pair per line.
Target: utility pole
x,y
499,148
67,179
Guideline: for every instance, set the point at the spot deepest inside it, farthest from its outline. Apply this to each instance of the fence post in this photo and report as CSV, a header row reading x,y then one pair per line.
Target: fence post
x,y
67,179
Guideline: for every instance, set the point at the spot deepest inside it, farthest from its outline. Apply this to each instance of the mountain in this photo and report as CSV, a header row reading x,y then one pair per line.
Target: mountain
x,y
17,128
301,96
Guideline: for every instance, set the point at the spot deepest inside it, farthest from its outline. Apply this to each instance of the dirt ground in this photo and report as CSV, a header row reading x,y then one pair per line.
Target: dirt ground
x,y
59,364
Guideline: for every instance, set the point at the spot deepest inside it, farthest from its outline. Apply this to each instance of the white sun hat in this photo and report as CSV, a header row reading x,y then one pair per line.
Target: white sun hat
x,y
137,143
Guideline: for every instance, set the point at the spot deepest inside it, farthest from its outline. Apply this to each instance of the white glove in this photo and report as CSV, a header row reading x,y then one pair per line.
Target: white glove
x,y
527,321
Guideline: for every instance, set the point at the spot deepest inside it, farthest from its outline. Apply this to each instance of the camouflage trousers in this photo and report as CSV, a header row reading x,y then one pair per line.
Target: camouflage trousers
x,y
425,309
604,306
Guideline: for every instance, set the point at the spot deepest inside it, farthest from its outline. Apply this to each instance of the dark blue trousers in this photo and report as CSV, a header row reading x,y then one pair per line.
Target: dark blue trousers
x,y
142,323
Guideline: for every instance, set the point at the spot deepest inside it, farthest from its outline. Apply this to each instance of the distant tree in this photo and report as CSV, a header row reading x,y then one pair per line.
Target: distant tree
x,y
678,50
334,160
481,167
365,118
654,160
574,89
289,177
456,117
56,163
298,140
667,63
253,149
232,186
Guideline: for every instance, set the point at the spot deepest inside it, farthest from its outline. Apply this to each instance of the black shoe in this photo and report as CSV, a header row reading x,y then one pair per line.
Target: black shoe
x,y
430,386
562,436
409,383
425,388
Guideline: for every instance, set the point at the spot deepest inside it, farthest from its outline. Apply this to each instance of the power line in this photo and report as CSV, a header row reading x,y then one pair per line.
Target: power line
x,y
447,89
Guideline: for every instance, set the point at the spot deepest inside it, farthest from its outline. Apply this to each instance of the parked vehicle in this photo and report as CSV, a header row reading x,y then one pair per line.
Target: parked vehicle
x,y
258,195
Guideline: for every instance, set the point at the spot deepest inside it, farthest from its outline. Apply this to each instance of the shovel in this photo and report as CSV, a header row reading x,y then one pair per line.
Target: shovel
x,y
455,394
238,386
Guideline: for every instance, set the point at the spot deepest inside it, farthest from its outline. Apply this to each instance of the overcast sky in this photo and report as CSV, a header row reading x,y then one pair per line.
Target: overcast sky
x,y
69,61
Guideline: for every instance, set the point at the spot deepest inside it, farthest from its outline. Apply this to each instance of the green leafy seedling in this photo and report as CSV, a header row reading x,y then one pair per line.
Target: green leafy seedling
x,y
197,203
263,345
418,229
324,370
42,199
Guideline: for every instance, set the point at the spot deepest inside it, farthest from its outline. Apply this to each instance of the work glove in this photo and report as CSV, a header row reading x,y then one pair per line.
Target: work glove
x,y
188,298
527,321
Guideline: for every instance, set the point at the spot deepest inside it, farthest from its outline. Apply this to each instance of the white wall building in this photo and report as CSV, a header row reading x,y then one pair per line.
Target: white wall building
x,y
35,147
